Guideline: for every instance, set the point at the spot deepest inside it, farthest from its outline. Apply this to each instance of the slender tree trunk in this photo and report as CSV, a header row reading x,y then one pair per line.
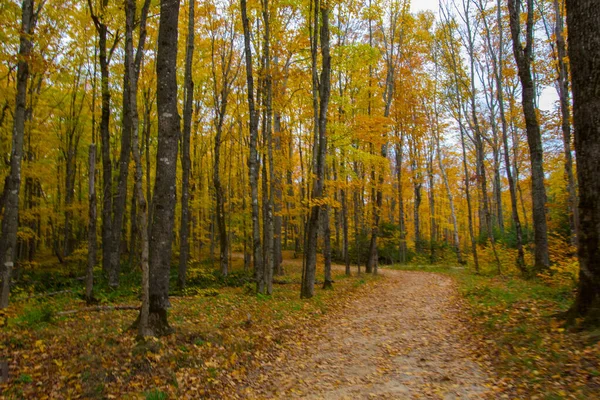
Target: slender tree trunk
x,y
268,168
401,220
562,82
497,61
455,237
188,85
345,229
323,87
431,198
120,199
220,206
107,200
10,218
89,280
253,158
523,57
328,280
277,202
142,211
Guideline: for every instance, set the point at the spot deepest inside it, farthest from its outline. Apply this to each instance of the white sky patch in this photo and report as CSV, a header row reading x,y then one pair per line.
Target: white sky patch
x,y
548,99
424,5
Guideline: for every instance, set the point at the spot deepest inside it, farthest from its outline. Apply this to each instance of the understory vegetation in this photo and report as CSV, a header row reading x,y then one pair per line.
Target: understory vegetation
x,y
223,329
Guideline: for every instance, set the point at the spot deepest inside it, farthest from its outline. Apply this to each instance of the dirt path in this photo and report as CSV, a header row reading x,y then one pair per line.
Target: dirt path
x,y
402,341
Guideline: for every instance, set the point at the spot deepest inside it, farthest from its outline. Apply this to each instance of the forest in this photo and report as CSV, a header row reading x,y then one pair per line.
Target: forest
x,y
211,183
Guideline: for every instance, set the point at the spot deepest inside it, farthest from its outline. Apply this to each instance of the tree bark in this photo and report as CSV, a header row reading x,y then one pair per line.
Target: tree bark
x,y
89,280
188,85
253,157
10,218
104,58
164,199
583,20
562,83
321,93
523,57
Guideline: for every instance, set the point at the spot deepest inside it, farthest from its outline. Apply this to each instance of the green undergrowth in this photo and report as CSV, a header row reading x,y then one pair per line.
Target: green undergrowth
x,y
519,326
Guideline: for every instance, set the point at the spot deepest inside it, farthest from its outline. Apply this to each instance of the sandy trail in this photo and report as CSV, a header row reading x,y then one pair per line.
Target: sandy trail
x,y
404,340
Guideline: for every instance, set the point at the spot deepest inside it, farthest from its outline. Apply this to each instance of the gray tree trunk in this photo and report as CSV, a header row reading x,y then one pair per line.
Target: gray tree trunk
x,y
253,157
142,212
188,84
104,58
321,93
562,82
10,218
523,57
91,262
163,203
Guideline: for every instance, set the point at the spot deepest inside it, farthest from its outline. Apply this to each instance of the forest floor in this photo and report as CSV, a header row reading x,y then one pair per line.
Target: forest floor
x,y
432,332
405,340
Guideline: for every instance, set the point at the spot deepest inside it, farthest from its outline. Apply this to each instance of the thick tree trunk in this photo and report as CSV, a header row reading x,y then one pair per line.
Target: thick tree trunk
x,y
164,199
10,218
523,57
583,20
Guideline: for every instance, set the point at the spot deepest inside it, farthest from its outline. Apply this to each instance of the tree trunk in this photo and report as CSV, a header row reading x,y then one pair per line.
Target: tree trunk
x,y
583,20
253,157
188,85
321,93
268,168
345,223
328,280
164,199
10,218
220,206
104,58
523,57
401,220
89,280
562,82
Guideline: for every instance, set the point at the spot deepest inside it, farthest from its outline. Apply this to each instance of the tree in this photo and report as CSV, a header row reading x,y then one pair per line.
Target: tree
x,y
523,57
164,200
583,20
253,158
105,56
321,92
12,186
188,87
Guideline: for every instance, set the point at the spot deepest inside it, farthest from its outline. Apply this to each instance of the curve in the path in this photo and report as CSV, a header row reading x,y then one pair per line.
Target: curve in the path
x,y
404,340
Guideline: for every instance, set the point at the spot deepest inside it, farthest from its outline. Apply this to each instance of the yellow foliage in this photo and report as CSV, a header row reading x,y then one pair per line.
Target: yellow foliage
x,y
564,270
